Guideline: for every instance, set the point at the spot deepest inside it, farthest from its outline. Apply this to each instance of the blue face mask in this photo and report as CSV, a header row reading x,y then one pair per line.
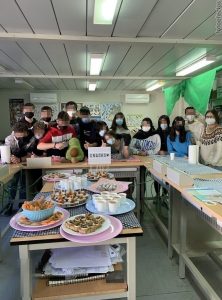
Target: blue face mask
x,y
85,120
110,141
119,121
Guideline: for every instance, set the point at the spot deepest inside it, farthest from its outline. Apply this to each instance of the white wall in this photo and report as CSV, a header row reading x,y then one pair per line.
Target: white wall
x,y
154,109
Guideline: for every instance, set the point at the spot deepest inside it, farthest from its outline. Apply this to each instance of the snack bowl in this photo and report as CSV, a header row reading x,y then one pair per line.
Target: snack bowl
x,y
34,214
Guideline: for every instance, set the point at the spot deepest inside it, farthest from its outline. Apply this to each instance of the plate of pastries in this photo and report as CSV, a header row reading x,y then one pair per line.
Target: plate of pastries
x,y
96,175
86,224
69,198
55,176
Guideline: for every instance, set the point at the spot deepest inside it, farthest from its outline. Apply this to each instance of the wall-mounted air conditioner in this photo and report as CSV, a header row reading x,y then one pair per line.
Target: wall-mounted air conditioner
x,y
137,98
42,98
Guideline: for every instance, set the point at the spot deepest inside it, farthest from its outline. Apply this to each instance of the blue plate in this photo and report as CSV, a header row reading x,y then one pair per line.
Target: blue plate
x,y
126,206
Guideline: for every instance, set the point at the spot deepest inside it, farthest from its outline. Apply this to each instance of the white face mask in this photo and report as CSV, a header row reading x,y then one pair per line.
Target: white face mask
x,y
190,118
102,132
163,126
145,128
38,136
71,113
210,121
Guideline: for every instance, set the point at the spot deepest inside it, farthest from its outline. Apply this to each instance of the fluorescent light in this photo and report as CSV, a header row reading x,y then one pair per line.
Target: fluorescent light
x,y
104,11
22,81
196,65
96,63
2,69
155,85
92,86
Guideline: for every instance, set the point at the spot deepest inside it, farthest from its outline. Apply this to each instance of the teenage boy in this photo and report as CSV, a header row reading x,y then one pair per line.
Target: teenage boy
x,y
19,142
46,116
55,141
88,133
28,115
193,125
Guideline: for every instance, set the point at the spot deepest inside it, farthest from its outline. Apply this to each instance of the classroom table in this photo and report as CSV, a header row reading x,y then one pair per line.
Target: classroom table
x,y
188,219
120,169
90,290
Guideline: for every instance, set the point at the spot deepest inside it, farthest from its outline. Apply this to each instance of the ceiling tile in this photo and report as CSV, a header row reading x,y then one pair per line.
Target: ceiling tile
x,y
132,16
39,15
192,18
115,55
71,16
11,17
162,17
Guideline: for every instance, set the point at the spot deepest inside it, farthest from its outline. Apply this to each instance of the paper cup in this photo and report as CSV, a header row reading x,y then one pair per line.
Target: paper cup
x,y
122,195
101,205
172,156
105,193
113,206
113,194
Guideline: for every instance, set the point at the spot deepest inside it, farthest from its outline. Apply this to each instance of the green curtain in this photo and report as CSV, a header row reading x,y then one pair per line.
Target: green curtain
x,y
196,91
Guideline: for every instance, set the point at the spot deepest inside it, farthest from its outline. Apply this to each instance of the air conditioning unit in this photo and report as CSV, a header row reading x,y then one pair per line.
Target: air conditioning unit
x,y
43,98
137,98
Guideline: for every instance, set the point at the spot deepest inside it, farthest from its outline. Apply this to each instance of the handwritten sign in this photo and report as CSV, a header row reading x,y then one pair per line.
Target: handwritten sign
x,y
99,155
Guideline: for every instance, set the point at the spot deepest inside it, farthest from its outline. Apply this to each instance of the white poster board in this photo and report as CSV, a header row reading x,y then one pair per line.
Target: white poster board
x,y
99,155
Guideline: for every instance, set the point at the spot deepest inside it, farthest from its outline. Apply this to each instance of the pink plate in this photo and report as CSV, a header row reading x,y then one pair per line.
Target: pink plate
x,y
121,186
114,229
13,222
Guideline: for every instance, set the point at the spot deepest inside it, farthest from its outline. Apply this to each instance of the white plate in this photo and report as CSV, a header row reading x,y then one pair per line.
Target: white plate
x,y
68,204
47,178
106,224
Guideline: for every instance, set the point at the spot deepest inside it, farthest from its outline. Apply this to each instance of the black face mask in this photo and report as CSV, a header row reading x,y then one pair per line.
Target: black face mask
x,y
179,128
63,127
29,115
47,119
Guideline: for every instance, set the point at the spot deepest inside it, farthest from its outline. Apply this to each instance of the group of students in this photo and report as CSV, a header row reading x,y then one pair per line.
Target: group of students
x,y
46,137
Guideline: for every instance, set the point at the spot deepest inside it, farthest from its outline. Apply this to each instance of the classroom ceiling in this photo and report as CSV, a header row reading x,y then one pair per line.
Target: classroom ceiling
x,y
48,42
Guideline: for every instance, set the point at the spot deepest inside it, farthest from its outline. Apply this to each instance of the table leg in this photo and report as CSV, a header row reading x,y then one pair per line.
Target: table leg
x,y
131,267
138,196
25,274
183,233
170,248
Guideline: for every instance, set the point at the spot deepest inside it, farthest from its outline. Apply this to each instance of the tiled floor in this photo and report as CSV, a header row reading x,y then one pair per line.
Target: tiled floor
x,y
157,277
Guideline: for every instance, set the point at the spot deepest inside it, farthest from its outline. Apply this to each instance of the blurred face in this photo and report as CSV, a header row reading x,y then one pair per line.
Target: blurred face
x,y
210,119
85,117
179,126
190,115
110,140
39,133
71,110
145,126
46,114
119,120
190,112
163,124
62,124
28,111
102,130
19,135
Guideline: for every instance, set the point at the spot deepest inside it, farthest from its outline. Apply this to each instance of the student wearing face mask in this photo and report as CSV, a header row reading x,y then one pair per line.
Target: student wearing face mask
x,y
71,109
163,131
39,131
179,139
101,128
28,115
211,141
193,125
46,116
145,141
19,141
55,141
119,144
119,124
88,134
